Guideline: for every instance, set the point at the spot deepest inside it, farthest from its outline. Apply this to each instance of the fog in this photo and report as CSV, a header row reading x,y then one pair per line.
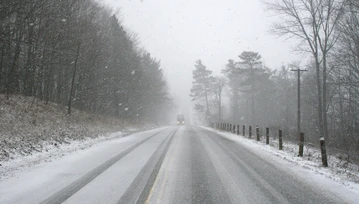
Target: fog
x,y
260,89
79,69
183,31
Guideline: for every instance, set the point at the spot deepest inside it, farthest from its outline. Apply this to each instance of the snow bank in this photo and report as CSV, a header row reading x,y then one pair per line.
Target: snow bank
x,y
339,171
33,131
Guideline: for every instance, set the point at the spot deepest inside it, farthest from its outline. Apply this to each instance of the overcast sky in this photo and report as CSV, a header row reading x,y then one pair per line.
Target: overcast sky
x,y
178,32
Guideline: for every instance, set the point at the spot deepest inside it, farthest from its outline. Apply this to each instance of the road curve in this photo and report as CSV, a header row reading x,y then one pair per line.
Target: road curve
x,y
184,164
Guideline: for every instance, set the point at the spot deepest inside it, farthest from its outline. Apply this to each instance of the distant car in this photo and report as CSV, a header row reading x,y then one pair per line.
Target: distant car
x,y
180,119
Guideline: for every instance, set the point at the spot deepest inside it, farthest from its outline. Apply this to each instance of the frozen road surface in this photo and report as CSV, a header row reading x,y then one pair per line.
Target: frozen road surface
x,y
184,164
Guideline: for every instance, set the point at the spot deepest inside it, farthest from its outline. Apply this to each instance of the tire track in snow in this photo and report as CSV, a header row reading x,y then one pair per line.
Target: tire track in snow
x,y
75,186
141,187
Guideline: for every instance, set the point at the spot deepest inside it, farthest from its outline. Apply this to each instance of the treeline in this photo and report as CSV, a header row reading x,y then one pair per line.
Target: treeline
x,y
248,93
329,33
76,53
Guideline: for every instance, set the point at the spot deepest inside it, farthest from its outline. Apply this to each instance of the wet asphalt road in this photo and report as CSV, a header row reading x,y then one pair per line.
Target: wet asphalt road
x,y
203,167
184,164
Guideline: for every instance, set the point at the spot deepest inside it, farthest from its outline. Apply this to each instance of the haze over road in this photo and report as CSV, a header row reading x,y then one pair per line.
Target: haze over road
x,y
181,164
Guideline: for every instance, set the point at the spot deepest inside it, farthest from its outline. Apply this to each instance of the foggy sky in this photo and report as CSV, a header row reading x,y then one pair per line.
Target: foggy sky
x,y
178,32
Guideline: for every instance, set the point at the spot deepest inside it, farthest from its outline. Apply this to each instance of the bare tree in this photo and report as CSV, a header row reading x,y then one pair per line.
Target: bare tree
x,y
347,60
313,22
40,57
218,85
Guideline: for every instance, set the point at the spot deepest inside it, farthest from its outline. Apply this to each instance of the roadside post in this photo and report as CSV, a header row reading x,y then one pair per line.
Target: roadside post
x,y
250,131
280,140
301,144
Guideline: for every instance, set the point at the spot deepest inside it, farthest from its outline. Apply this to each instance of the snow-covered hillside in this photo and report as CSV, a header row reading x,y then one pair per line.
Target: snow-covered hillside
x,y
30,125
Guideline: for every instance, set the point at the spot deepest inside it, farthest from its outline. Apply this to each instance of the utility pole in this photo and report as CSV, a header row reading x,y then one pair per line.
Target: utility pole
x,y
298,90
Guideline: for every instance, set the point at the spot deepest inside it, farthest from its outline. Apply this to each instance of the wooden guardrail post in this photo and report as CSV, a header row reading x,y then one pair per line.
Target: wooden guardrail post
x,y
250,131
244,130
230,128
237,129
323,152
234,128
301,144
267,135
257,132
280,140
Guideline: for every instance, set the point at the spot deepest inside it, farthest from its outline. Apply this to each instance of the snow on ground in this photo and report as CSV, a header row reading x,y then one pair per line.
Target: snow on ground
x,y
33,131
339,178
28,123
60,170
49,153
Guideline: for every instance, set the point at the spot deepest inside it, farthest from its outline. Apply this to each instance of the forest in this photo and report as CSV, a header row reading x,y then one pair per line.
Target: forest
x,y
327,33
78,54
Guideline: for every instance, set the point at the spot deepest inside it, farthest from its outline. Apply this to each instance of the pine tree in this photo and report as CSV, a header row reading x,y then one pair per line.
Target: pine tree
x,y
201,89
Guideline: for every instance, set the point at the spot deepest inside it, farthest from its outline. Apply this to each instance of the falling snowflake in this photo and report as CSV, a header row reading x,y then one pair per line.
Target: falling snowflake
x,y
133,72
126,109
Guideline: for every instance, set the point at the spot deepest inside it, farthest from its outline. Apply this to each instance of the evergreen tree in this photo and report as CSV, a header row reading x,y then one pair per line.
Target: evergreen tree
x,y
249,82
201,89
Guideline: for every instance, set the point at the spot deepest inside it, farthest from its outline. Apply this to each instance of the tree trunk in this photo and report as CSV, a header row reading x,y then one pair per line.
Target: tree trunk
x,y
220,104
29,66
320,112
207,106
2,69
253,112
341,112
73,80
13,83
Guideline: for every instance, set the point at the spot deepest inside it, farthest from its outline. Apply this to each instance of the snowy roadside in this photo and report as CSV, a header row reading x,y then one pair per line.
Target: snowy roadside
x,y
308,166
51,151
33,131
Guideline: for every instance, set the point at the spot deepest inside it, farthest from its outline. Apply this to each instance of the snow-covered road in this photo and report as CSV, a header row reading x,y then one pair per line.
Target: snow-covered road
x,y
184,164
